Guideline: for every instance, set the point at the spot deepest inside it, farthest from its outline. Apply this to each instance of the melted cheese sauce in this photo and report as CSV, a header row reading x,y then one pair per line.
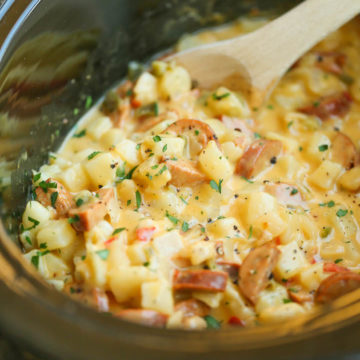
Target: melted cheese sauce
x,y
190,201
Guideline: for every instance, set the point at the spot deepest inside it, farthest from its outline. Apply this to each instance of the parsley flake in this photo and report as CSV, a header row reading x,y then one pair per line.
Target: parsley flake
x,y
92,155
215,186
80,134
53,198
341,212
323,147
103,253
211,322
118,231
173,219
157,138
338,260
185,226
220,97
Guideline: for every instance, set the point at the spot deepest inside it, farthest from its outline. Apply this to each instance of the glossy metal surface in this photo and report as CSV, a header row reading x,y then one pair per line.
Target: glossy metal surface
x,y
54,54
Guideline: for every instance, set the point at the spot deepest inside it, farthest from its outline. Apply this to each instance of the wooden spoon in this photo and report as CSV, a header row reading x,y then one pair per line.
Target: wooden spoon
x,y
254,63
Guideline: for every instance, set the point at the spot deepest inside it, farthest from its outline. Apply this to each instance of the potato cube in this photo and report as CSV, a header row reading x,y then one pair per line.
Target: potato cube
x,y
232,152
273,295
146,89
326,174
112,137
317,142
281,313
225,102
101,169
350,180
118,252
211,299
236,302
126,191
57,234
138,253
56,267
202,251
98,127
311,277
157,295
290,145
74,178
221,131
223,227
99,233
151,174
98,267
174,82
125,282
34,258
168,244
34,210
163,146
127,149
291,261
214,163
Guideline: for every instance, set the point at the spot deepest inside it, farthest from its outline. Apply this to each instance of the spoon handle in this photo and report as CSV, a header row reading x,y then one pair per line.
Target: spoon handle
x,y
280,43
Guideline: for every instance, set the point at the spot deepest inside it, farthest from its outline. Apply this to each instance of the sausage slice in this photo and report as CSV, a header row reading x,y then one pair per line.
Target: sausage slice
x,y
331,61
258,157
336,104
88,215
286,194
343,151
337,285
207,280
184,173
256,269
143,317
62,202
192,307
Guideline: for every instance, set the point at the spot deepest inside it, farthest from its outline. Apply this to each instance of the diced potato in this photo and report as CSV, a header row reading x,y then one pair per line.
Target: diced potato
x,y
332,250
33,258
313,148
220,130
168,244
98,267
225,102
125,282
118,255
98,127
35,211
174,82
112,137
326,174
288,167
57,284
159,67
273,295
236,302
167,146
214,163
301,122
168,201
126,191
202,251
146,89
101,169
151,174
223,227
281,313
99,233
157,295
262,213
232,152
57,234
311,277
27,239
49,171
74,178
138,253
211,299
56,267
350,180
127,149
291,261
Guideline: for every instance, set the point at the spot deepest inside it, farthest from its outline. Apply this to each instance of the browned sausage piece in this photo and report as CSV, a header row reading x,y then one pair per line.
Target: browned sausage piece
x,y
337,285
343,151
229,267
88,215
184,173
62,202
236,124
143,317
298,295
192,307
336,104
331,61
256,269
258,157
204,133
206,280
287,195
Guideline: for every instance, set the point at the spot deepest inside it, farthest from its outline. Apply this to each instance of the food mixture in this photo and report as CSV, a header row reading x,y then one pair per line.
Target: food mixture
x,y
179,207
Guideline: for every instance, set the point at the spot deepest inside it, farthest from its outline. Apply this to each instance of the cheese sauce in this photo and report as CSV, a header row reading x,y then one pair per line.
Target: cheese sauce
x,y
177,207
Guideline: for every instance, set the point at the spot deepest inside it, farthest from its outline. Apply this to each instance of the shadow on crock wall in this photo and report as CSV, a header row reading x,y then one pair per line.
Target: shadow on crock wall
x,y
57,57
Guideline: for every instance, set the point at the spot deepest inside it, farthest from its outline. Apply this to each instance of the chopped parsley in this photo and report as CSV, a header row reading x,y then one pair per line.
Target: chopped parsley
x,y
271,107
173,219
220,97
341,212
80,134
287,301
34,221
197,132
290,124
92,155
28,240
79,202
146,263
247,180
118,231
323,147
250,232
329,204
185,226
325,232
74,219
211,322
138,199
157,138
88,102
338,261
53,198
36,177
215,186
183,200
163,169
120,173
43,246
294,192
164,148
257,135
35,261
128,202
103,253
47,185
